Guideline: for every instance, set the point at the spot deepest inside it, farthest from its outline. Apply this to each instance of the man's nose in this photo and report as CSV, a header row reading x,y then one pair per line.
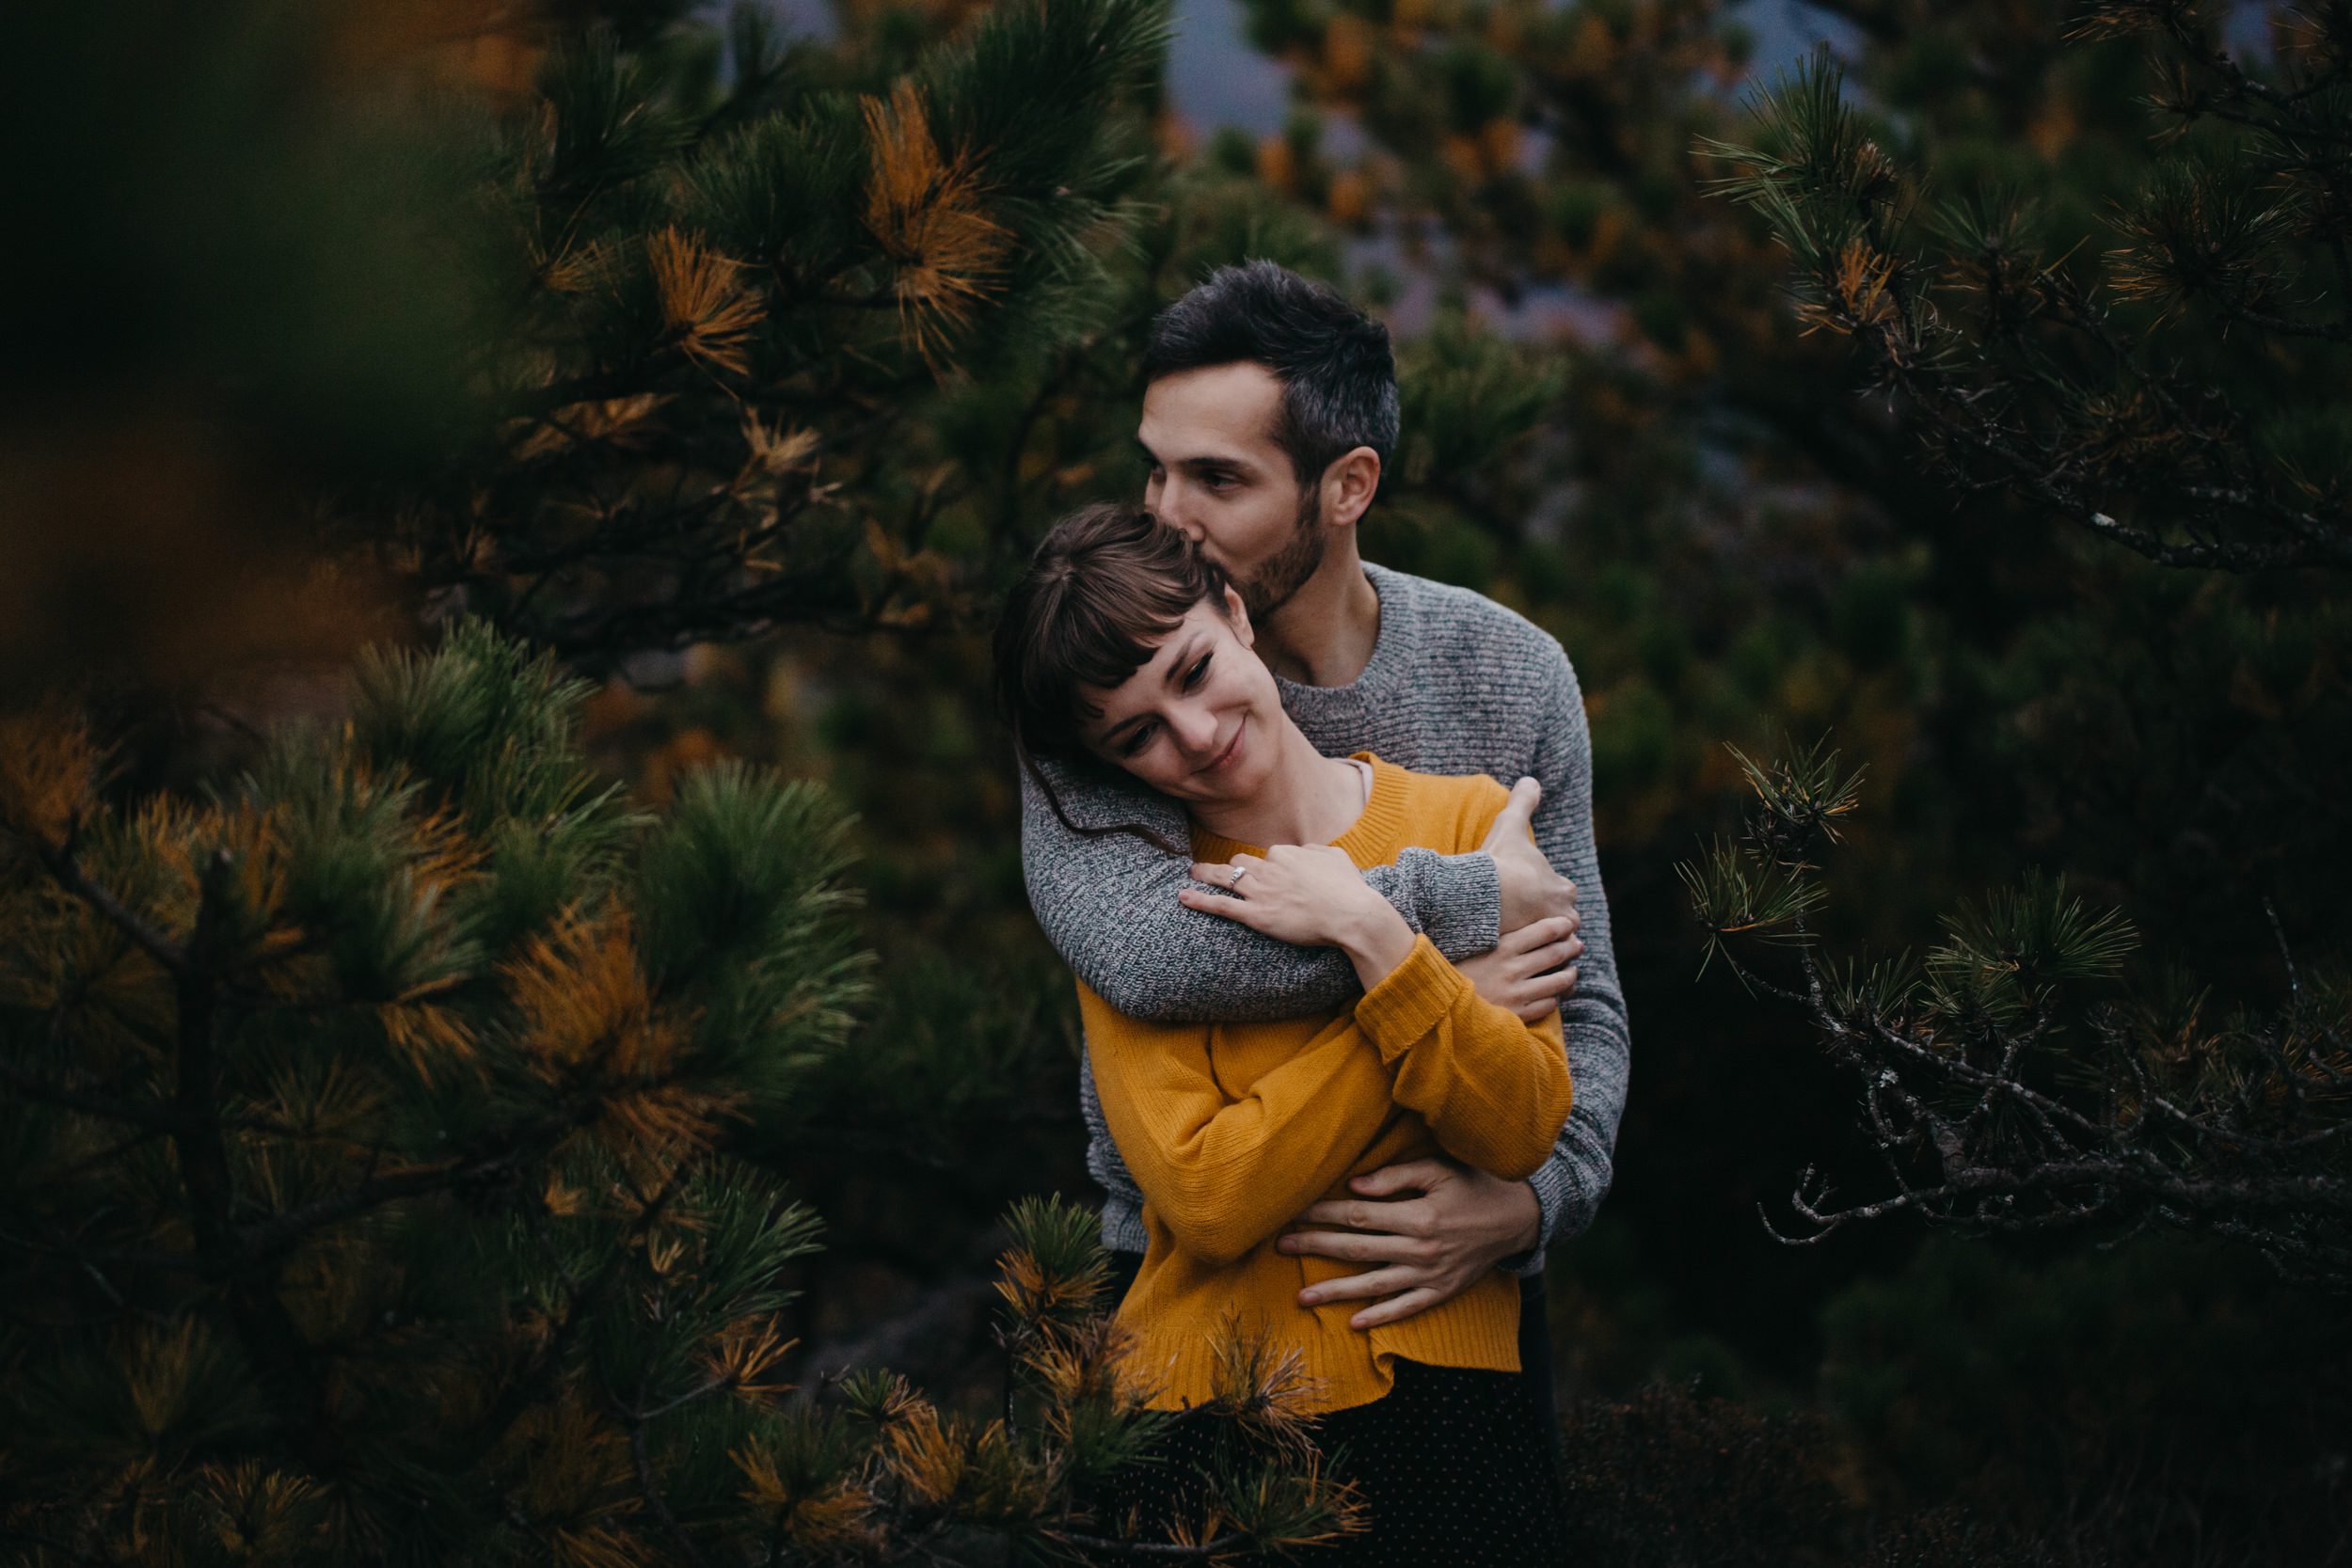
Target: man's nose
x,y
1173,509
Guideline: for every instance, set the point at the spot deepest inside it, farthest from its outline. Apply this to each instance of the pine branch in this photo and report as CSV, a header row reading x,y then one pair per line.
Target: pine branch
x,y
153,1118
1945,1075
651,1491
265,1331
272,1238
58,861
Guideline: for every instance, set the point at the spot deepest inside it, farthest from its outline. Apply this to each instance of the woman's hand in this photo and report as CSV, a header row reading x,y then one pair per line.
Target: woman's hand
x,y
1312,895
1531,970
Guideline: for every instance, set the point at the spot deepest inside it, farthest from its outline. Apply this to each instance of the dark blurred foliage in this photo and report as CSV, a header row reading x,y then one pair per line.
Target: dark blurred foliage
x,y
1672,1478
224,293
2165,1403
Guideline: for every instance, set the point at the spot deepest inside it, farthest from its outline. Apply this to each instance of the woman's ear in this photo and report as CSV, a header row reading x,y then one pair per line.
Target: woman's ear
x,y
1238,613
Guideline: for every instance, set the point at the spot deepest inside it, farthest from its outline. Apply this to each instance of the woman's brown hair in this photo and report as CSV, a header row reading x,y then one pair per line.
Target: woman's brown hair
x,y
1107,583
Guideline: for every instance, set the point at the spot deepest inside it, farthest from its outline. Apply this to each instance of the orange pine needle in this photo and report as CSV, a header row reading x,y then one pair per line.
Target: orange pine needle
x,y
926,211
703,301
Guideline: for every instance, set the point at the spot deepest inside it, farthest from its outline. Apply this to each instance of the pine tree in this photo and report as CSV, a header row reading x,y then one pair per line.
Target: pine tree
x,y
2007,1083
662,331
727,324
2181,394
373,1183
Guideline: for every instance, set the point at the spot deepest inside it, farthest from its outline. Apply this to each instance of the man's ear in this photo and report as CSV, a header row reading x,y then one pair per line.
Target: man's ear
x,y
1237,613
1349,482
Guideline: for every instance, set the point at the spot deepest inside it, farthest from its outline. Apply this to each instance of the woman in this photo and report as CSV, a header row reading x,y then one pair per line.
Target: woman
x,y
1124,648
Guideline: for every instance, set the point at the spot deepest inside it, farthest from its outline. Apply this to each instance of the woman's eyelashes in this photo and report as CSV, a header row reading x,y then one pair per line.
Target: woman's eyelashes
x,y
1145,731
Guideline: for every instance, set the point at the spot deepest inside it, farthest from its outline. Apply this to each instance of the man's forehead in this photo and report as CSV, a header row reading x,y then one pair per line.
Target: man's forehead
x,y
1217,410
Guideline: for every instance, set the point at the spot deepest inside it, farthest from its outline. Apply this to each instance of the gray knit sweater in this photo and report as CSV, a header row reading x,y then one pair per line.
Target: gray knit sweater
x,y
1456,684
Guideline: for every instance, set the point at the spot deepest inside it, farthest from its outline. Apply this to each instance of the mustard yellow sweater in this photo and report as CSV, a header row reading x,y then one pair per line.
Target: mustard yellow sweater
x,y
1232,1128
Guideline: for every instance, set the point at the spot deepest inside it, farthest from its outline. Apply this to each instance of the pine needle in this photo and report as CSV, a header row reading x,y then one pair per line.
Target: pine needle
x,y
703,301
50,770
925,210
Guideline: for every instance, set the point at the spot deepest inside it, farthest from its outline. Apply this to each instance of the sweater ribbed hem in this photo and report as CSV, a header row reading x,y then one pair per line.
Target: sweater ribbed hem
x,y
1180,1367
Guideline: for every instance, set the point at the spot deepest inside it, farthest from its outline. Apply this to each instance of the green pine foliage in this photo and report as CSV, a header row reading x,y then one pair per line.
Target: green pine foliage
x,y
723,316
2086,382
374,1159
362,1154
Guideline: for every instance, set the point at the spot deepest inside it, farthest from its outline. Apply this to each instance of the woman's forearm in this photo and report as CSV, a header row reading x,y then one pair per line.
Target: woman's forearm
x,y
1493,1090
1224,1174
1375,939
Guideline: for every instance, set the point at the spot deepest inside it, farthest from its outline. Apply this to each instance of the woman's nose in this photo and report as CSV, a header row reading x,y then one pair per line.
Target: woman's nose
x,y
1195,730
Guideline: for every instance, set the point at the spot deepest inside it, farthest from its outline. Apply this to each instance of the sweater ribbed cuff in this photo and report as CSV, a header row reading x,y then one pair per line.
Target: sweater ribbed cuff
x,y
1570,1185
1122,1226
1460,898
1399,1011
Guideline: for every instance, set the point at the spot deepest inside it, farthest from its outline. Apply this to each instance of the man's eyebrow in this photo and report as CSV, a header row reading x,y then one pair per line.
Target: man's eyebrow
x,y
1175,667
1207,462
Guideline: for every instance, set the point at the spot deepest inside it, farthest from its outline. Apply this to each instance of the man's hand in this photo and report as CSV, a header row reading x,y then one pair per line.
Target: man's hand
x,y
1525,970
1429,1229
1531,890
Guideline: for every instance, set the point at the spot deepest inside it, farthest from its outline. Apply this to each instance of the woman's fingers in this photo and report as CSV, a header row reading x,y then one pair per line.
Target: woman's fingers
x,y
1225,873
1559,985
1210,903
1536,997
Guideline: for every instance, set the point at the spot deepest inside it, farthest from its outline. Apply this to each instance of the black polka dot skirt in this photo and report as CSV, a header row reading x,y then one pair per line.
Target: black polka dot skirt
x,y
1455,1467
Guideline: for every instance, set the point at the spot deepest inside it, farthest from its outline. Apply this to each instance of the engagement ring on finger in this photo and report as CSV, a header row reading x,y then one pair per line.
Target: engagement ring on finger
x,y
1239,872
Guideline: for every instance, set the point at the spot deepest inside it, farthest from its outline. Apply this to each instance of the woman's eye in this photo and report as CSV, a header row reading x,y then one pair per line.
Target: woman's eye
x,y
1198,671
1133,742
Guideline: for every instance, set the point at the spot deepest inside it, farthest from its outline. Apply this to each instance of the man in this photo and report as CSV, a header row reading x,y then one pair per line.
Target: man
x,y
1269,413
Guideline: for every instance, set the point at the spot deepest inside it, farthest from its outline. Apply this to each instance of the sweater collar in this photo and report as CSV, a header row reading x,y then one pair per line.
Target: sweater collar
x,y
1373,839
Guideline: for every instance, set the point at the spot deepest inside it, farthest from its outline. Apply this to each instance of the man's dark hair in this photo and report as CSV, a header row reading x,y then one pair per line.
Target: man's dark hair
x,y
1339,379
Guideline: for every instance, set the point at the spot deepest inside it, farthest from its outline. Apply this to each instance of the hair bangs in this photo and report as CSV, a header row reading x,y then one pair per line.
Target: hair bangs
x,y
1105,585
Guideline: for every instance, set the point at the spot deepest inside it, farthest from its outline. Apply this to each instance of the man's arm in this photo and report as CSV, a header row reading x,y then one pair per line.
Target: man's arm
x,y
1109,905
1421,1250
1569,1187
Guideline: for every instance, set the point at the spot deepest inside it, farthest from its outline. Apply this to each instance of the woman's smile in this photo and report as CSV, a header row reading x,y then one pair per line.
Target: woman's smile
x,y
1231,753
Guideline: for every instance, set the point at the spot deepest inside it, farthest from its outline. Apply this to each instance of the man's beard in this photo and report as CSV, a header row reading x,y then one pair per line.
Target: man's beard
x,y
1288,568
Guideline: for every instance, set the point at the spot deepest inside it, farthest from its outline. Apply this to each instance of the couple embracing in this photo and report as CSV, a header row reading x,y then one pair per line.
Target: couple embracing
x,y
1356,1050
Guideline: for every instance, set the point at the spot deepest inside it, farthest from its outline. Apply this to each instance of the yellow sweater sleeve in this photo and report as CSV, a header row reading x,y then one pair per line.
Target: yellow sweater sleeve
x,y
1495,1090
1225,1173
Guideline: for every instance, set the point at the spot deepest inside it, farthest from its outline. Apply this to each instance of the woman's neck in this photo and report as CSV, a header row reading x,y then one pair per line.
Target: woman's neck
x,y
1306,797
